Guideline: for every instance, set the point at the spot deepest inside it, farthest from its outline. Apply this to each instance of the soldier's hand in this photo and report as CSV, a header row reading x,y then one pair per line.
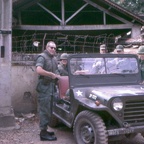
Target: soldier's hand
x,y
54,76
57,76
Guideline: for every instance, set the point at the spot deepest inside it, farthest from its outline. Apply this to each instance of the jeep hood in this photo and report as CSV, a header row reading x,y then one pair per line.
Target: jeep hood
x,y
107,92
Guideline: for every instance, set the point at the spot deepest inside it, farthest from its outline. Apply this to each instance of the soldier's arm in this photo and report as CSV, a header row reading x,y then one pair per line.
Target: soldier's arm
x,y
43,72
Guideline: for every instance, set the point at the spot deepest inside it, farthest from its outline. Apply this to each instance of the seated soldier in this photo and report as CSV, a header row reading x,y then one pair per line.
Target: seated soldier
x,y
121,65
98,66
62,67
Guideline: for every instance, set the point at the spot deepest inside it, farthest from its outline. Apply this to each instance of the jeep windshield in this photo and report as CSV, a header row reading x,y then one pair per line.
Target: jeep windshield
x,y
94,66
103,69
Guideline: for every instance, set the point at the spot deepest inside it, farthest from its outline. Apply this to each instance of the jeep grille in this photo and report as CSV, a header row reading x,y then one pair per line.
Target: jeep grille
x,y
134,112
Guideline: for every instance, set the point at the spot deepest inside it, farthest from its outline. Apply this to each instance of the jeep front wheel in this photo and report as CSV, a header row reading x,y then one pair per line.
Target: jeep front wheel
x,y
89,128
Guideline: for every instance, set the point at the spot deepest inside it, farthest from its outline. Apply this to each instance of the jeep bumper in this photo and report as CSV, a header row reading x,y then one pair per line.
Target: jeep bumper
x,y
121,131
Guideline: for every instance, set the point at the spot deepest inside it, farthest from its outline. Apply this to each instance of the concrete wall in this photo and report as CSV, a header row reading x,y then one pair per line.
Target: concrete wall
x,y
24,80
7,120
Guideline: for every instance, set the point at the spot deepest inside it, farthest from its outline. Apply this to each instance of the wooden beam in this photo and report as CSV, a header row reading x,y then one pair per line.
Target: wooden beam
x,y
47,10
63,12
107,11
74,27
80,9
24,5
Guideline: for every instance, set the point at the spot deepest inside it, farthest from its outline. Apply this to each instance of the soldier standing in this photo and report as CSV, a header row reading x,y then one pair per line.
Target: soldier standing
x,y
46,66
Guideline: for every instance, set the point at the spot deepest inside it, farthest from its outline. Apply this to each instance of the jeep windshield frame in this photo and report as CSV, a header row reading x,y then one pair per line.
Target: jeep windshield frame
x,y
103,69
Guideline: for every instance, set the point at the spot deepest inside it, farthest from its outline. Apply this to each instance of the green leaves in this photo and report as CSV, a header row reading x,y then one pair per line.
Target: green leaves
x,y
135,6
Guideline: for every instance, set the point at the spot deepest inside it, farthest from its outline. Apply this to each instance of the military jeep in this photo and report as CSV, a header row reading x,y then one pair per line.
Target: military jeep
x,y
102,98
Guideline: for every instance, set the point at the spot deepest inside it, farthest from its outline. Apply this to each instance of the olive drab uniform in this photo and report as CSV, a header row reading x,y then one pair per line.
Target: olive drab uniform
x,y
98,66
141,62
45,87
62,70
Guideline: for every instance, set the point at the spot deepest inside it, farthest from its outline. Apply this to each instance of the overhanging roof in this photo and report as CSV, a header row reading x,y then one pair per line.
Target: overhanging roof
x,y
73,16
106,6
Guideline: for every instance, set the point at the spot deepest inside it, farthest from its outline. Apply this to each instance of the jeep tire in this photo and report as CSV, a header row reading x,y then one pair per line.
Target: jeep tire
x,y
89,128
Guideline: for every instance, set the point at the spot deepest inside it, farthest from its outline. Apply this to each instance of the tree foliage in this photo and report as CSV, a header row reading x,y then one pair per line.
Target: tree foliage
x,y
135,6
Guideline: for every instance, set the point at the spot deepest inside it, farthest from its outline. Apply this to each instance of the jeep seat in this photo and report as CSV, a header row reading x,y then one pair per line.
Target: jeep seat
x,y
63,85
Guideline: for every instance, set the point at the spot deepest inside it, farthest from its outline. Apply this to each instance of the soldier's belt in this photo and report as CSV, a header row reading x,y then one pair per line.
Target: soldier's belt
x,y
47,82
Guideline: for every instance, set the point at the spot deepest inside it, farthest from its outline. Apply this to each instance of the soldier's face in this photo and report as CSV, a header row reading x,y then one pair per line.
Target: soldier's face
x,y
103,51
64,61
119,51
51,48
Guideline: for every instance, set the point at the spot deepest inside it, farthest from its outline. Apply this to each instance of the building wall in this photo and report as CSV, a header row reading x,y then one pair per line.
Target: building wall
x,y
24,80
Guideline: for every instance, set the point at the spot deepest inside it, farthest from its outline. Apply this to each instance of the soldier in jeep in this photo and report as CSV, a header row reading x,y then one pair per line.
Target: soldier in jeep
x,y
114,65
62,67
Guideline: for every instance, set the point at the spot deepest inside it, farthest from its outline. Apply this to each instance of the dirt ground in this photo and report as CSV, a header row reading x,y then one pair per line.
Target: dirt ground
x,y
27,132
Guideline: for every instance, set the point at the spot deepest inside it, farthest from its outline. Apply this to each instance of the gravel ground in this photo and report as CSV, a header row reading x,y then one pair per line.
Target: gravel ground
x,y
27,132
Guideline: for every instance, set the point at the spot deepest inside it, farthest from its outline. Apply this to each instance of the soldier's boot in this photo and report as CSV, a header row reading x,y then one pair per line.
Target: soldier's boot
x,y
47,136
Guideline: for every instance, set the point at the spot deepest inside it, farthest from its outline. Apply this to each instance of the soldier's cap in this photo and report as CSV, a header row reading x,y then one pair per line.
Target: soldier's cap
x,y
119,48
103,46
64,56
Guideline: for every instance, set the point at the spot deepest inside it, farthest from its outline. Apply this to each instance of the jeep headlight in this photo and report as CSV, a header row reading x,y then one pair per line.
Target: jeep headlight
x,y
117,104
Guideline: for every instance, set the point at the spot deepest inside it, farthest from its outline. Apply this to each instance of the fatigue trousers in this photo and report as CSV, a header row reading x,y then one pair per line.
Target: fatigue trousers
x,y
45,97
